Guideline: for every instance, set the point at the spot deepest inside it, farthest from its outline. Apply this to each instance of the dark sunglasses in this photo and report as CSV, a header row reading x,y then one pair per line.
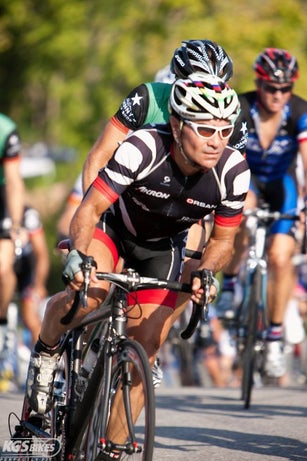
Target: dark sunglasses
x,y
273,89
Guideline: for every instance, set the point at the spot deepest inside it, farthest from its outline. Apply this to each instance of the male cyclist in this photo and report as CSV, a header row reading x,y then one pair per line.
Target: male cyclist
x,y
277,130
31,269
160,181
148,103
11,211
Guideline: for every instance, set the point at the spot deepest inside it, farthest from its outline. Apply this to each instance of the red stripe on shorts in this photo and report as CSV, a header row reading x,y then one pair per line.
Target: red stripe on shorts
x,y
153,296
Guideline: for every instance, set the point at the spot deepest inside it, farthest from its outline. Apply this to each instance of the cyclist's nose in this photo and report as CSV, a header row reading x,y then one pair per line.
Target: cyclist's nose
x,y
215,139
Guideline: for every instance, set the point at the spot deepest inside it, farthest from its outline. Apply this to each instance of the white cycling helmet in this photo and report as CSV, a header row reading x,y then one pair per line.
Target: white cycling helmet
x,y
203,97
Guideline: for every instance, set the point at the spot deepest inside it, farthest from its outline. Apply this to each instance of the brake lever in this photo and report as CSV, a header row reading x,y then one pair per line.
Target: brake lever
x,y
206,282
86,267
198,311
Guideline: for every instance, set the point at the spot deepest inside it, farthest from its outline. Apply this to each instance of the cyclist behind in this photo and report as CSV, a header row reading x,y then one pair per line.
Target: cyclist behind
x,y
160,181
11,209
32,269
277,124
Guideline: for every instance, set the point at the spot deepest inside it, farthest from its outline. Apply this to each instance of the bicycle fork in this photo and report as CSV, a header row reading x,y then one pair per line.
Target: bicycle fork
x,y
256,274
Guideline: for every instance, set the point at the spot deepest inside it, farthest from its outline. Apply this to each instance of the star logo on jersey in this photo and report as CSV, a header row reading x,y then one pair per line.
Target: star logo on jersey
x,y
244,128
13,139
136,99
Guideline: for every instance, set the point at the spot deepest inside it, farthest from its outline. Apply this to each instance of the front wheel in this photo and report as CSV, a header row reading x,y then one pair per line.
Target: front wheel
x,y
116,405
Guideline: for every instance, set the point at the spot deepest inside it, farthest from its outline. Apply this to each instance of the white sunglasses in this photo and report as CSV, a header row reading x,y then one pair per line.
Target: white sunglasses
x,y
208,131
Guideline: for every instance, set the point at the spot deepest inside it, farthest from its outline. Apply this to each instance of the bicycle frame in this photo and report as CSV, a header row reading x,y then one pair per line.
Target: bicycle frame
x,y
256,263
79,416
252,318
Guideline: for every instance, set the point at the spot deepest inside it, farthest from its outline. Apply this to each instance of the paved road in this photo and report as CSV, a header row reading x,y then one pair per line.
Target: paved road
x,y
198,424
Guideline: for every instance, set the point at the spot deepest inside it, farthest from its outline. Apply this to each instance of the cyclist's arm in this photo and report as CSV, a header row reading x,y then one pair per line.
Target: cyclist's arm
x,y
102,151
217,254
14,191
82,227
219,248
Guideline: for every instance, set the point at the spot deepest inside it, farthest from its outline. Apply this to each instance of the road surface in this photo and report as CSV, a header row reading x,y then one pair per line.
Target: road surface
x,y
200,424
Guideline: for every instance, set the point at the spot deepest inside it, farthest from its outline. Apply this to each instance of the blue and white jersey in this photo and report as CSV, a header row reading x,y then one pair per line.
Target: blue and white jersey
x,y
273,163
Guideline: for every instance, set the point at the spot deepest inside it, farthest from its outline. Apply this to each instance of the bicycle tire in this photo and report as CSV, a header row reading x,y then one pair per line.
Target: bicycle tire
x,y
140,441
81,407
248,360
34,437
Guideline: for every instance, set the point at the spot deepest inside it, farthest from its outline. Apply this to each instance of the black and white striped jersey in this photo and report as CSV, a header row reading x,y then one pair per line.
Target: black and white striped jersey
x,y
154,199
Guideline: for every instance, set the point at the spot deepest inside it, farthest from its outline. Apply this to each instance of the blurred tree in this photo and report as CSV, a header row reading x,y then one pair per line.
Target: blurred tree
x,y
66,65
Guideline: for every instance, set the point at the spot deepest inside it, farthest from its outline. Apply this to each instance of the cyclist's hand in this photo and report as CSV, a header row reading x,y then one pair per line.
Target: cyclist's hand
x,y
199,293
72,273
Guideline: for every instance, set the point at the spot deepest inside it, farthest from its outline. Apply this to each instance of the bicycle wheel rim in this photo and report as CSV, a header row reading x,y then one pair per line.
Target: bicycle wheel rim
x,y
131,354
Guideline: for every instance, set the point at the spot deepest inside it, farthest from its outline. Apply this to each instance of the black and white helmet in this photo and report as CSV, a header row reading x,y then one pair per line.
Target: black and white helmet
x,y
203,97
201,56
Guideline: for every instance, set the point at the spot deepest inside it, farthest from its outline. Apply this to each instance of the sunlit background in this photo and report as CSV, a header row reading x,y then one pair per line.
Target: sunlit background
x,y
67,65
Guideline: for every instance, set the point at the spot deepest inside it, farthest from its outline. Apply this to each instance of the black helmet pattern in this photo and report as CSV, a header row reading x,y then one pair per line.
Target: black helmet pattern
x,y
201,56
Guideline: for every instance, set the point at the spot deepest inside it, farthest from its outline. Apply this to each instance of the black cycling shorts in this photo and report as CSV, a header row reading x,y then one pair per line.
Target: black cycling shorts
x,y
162,258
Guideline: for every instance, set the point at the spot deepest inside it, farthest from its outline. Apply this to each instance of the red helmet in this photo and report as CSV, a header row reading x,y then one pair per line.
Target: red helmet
x,y
276,65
